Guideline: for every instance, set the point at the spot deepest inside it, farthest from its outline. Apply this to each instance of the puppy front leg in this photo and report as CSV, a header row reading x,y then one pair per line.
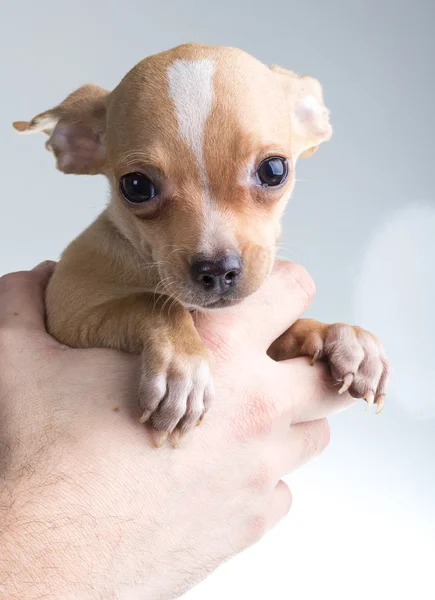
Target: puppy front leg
x,y
355,357
175,385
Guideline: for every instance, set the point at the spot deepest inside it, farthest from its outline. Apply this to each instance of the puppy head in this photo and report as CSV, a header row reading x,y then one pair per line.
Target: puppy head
x,y
199,145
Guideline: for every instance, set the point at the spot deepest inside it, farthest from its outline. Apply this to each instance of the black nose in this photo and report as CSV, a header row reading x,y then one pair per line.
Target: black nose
x,y
218,275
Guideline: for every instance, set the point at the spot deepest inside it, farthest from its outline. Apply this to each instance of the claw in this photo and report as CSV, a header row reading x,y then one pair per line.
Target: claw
x,y
380,402
370,399
199,421
347,382
175,438
316,357
161,438
144,418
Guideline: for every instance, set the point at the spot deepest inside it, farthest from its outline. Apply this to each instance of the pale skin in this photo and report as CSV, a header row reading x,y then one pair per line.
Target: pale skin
x,y
89,508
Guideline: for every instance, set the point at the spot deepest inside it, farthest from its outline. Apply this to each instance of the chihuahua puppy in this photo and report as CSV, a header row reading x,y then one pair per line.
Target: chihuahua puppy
x,y
199,145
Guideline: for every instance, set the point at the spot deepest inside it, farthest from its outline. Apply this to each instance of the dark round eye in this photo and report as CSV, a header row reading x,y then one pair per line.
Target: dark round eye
x,y
272,171
137,188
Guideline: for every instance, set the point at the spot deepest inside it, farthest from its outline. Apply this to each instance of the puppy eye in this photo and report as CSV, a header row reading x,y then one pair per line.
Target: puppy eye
x,y
272,171
137,188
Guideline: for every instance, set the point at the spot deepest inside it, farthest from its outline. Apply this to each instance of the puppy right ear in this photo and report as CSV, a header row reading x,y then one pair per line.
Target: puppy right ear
x,y
76,130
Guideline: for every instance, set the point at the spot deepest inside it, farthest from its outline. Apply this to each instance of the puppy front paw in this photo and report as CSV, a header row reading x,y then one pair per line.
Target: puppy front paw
x,y
356,360
175,390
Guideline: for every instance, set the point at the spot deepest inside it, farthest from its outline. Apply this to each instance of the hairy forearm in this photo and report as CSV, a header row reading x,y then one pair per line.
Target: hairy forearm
x,y
33,565
73,524
55,543
50,547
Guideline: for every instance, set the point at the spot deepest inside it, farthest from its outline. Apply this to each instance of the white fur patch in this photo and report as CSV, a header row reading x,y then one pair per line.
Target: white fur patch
x,y
191,90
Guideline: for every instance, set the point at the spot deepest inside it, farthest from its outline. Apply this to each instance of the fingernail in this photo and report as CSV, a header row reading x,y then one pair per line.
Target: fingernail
x,y
44,265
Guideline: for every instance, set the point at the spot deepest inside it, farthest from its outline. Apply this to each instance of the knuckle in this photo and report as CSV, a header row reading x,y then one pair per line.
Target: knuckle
x,y
258,415
262,479
257,527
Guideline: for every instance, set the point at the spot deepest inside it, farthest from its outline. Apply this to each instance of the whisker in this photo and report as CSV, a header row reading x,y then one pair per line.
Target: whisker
x,y
175,301
168,299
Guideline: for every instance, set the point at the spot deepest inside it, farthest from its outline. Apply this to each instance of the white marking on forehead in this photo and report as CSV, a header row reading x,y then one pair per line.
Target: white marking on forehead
x,y
191,90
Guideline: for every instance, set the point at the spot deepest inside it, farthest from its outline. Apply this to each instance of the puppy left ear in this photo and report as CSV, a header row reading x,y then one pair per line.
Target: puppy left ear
x,y
76,130
309,115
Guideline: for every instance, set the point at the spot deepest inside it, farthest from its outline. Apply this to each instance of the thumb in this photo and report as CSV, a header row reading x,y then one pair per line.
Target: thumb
x,y
264,316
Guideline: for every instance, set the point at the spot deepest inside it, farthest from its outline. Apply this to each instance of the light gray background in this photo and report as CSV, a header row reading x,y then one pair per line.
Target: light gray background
x,y
362,220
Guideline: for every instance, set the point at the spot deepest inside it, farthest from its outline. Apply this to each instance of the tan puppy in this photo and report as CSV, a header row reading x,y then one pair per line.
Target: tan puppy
x,y
199,145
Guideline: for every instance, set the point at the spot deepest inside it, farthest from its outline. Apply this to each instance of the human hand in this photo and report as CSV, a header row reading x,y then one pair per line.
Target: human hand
x,y
89,508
